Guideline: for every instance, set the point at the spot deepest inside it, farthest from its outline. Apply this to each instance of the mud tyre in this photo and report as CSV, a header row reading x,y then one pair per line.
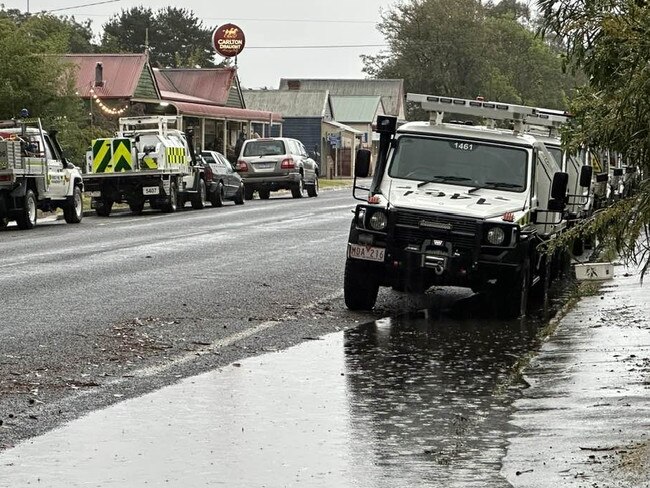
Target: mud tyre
x,y
298,189
216,198
171,205
239,196
27,218
73,211
360,286
312,190
264,194
103,207
515,292
201,197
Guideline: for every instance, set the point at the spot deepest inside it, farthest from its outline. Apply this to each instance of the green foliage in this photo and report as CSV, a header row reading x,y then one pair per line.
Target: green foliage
x,y
31,73
464,48
176,37
610,41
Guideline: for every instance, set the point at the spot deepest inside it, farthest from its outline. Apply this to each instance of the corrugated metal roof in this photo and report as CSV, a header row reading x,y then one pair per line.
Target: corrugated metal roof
x,y
202,110
355,110
211,84
121,73
390,91
344,127
289,103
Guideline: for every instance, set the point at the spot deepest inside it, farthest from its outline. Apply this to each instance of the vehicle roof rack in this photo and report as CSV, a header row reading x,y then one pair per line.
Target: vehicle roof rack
x,y
547,118
127,124
437,106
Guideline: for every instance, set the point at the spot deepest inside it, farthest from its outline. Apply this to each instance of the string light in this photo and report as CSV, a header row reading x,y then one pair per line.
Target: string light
x,y
105,108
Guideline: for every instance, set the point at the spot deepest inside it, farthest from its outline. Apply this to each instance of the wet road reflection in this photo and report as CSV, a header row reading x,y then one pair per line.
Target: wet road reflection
x,y
427,401
406,402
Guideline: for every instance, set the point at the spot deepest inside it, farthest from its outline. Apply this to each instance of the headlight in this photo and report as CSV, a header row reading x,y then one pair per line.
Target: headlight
x,y
378,221
496,236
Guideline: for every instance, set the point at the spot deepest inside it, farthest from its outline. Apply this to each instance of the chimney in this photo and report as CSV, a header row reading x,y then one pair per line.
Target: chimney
x,y
99,74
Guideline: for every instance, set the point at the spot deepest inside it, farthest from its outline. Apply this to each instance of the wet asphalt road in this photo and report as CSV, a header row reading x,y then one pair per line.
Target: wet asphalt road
x,y
129,305
409,402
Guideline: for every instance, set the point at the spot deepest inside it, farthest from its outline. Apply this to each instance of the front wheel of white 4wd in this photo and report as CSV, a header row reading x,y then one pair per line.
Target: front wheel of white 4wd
x,y
360,286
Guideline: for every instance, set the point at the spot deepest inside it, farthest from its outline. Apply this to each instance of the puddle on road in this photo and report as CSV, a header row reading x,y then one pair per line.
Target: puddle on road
x,y
398,403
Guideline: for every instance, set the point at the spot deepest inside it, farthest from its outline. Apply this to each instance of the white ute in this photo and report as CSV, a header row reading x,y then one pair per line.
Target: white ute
x,y
35,175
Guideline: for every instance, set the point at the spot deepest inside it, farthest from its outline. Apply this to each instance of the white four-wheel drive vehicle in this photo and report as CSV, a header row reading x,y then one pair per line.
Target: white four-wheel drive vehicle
x,y
456,204
35,175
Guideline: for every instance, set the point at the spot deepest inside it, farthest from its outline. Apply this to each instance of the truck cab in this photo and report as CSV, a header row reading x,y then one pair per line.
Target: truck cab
x,y
455,204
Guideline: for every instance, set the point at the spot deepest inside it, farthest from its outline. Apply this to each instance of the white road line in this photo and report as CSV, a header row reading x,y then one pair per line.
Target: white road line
x,y
8,265
190,356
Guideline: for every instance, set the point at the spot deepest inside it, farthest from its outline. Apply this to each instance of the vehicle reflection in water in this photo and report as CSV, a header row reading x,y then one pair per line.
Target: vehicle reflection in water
x,y
428,398
408,402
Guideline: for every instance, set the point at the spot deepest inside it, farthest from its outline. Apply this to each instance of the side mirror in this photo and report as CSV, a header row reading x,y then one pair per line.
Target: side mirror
x,y
386,124
618,172
149,149
559,186
602,178
362,165
586,172
630,169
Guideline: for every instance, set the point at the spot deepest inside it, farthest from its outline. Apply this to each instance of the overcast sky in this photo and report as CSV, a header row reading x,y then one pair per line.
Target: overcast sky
x,y
268,26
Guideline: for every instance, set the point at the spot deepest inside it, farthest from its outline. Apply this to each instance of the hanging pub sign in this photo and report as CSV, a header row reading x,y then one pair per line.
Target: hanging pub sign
x,y
228,40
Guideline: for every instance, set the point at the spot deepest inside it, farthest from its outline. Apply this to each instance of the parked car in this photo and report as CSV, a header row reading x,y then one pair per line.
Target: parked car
x,y
277,163
222,181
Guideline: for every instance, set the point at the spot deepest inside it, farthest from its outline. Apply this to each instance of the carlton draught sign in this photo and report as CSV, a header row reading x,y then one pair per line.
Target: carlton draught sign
x,y
228,40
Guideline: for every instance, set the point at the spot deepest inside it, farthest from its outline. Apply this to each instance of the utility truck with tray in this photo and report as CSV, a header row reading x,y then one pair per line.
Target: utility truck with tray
x,y
149,160
35,175
456,204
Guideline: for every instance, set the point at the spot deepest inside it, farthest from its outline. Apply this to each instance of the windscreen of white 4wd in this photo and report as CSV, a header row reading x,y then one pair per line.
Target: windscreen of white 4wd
x,y
460,162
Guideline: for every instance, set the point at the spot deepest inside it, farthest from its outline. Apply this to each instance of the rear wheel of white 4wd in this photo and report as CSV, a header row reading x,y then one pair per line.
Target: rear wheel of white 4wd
x,y
27,218
298,188
514,295
312,190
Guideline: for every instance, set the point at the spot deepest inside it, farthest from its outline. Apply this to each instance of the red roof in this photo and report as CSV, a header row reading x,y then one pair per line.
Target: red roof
x,y
201,110
121,73
211,84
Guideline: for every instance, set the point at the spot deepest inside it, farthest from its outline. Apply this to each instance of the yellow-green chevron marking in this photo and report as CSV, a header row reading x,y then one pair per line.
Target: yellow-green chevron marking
x,y
122,155
101,155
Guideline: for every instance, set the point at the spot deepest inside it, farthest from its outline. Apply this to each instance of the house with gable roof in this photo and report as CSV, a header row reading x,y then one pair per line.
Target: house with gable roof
x,y
357,102
208,100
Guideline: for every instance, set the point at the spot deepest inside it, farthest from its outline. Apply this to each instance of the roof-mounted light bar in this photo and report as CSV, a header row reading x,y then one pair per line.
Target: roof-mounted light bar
x,y
547,119
478,108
